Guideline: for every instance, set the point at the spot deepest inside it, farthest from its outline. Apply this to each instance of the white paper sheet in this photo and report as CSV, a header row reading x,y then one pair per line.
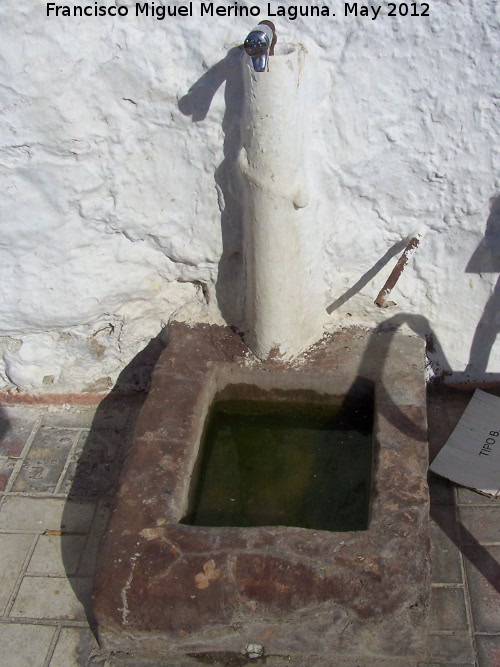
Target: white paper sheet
x,y
471,456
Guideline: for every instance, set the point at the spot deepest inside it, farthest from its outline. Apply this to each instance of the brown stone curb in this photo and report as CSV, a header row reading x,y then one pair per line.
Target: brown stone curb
x,y
292,591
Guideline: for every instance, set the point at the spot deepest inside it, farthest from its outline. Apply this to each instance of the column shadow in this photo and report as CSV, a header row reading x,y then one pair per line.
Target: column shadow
x,y
98,464
5,464
96,469
229,288
486,259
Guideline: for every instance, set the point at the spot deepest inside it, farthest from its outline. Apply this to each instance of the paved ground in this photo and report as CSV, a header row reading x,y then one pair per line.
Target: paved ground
x,y
465,532
58,473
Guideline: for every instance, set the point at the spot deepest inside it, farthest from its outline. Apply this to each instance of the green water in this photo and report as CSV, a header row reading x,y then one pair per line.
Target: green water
x,y
282,464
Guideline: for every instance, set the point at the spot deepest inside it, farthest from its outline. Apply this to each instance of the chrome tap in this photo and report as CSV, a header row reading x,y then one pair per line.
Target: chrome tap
x,y
259,44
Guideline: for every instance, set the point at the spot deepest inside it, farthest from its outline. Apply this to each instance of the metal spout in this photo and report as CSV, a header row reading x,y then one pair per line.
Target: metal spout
x,y
259,45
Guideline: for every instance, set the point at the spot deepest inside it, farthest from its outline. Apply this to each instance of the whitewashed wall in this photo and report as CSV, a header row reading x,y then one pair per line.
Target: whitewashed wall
x,y
120,200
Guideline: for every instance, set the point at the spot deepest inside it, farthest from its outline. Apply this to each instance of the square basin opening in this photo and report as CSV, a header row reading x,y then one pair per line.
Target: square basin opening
x,y
273,463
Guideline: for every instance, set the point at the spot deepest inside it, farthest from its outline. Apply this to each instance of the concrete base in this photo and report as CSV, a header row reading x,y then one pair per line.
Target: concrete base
x,y
193,595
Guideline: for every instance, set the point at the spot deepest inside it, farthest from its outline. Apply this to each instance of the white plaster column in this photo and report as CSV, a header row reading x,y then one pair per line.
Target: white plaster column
x,y
281,313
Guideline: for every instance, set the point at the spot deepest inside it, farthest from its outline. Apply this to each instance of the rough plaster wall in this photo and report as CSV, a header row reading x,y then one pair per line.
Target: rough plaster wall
x,y
120,202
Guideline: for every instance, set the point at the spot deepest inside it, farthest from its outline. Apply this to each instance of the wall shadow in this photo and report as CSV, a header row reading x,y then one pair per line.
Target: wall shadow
x,y
421,327
4,423
229,287
446,406
97,470
5,465
469,546
369,275
465,541
486,259
453,401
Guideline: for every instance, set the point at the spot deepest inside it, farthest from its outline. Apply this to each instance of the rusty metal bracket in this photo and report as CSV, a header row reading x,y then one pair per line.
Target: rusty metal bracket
x,y
381,300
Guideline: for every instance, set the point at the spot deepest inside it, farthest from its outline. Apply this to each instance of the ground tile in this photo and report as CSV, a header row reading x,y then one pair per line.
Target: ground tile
x,y
448,610
73,649
40,514
56,555
488,650
483,572
445,406
24,645
441,491
88,558
45,461
470,497
52,598
81,416
445,554
454,648
6,468
481,524
15,429
113,412
95,465
13,552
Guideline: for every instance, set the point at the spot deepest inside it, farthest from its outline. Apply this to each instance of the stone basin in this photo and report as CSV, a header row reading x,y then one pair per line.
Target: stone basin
x,y
167,593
